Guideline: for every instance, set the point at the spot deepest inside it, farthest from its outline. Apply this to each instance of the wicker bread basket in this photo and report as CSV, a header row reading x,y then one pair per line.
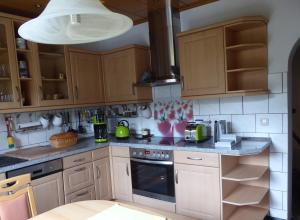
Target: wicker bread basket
x,y
64,139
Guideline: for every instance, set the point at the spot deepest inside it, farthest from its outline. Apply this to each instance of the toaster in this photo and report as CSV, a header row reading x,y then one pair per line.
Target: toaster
x,y
195,132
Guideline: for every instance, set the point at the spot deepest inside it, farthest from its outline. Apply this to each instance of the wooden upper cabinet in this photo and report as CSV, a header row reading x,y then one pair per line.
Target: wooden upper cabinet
x,y
55,85
87,77
10,93
122,69
202,63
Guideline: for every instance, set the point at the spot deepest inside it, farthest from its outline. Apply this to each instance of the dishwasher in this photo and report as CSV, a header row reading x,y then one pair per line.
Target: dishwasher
x,y
47,183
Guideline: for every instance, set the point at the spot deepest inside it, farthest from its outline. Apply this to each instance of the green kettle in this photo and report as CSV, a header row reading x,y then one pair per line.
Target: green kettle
x,y
122,130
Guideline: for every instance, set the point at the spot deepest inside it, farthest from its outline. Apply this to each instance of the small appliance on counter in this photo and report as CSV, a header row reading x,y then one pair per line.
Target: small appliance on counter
x,y
222,137
122,130
196,132
100,129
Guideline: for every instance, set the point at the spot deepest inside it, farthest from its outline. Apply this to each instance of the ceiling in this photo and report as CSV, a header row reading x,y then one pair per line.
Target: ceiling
x,y
135,9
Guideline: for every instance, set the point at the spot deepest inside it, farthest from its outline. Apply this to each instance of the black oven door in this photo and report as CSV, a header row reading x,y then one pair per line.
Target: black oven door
x,y
153,179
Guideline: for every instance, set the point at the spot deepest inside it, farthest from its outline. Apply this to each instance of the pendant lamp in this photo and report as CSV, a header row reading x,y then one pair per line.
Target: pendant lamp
x,y
74,22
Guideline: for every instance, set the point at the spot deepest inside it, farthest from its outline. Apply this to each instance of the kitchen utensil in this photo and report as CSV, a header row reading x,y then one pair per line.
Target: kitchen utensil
x,y
81,129
57,120
122,130
145,111
146,132
44,120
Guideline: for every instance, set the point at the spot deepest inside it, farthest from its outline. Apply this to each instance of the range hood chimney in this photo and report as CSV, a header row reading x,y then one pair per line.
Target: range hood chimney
x,y
164,24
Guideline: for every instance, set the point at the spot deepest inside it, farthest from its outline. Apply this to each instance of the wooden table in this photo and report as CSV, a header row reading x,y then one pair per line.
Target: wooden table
x,y
83,210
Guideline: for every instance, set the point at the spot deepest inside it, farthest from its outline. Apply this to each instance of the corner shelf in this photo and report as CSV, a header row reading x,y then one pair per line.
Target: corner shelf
x,y
246,195
245,46
248,213
245,172
4,78
247,69
51,54
54,80
23,50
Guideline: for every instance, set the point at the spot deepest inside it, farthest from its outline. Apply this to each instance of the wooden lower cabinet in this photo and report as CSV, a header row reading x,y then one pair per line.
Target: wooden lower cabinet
x,y
48,192
78,177
197,191
102,179
122,178
87,193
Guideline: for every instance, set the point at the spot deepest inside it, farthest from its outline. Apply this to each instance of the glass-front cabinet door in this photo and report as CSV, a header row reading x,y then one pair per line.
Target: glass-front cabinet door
x,y
55,81
10,93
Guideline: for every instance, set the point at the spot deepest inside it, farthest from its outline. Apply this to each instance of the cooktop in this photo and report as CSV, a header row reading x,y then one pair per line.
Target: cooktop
x,y
6,161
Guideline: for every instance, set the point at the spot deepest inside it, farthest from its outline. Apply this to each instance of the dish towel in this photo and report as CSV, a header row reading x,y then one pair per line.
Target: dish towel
x,y
117,212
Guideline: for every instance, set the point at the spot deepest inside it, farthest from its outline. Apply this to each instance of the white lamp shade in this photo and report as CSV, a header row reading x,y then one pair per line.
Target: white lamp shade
x,y
74,22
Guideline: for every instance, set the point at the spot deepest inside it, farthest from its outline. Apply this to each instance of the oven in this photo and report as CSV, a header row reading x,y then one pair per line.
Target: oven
x,y
152,173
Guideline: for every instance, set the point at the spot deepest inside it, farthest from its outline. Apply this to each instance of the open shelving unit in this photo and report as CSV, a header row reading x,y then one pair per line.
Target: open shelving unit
x,y
246,57
245,186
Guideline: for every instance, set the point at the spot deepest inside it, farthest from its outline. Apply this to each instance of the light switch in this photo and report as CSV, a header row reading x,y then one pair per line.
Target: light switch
x,y
264,122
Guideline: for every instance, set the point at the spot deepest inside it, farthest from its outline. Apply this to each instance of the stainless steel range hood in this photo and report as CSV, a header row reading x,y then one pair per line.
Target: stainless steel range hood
x,y
164,24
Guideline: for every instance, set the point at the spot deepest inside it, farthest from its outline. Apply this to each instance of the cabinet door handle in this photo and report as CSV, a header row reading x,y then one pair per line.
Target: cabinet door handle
x,y
194,158
182,82
18,93
79,160
176,176
98,173
76,92
133,89
127,170
82,194
80,169
41,92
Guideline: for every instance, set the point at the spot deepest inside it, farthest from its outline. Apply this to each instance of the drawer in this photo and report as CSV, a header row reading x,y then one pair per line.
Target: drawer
x,y
100,153
87,193
79,177
196,158
120,151
77,159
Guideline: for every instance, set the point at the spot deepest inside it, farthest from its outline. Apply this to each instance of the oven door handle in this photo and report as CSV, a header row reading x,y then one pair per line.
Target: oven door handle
x,y
158,162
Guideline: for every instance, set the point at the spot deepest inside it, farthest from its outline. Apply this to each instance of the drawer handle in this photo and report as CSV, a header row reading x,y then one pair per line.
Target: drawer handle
x,y
127,170
194,158
82,194
176,176
79,160
80,169
98,173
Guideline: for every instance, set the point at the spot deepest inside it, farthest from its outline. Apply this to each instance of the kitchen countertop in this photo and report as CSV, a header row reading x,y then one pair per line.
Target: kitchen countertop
x,y
248,146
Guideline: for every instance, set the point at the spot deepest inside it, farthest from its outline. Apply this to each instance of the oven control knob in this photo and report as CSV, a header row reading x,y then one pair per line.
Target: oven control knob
x,y
167,156
141,153
133,153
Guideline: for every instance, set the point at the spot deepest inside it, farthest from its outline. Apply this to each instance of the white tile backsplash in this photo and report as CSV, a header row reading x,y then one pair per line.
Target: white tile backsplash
x,y
275,82
284,82
196,107
162,92
279,143
276,162
275,199
273,125
277,213
255,104
285,123
37,137
176,91
21,139
243,123
232,105
284,201
278,103
285,163
209,107
278,181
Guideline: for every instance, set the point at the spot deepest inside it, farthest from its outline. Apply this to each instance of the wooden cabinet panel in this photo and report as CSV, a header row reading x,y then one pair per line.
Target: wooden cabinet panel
x,y
102,179
10,93
87,77
198,191
100,153
77,159
48,192
122,178
79,177
119,151
202,63
122,69
87,193
197,158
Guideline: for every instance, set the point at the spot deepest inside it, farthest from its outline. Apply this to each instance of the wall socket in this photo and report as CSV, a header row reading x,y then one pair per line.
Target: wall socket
x,y
264,122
